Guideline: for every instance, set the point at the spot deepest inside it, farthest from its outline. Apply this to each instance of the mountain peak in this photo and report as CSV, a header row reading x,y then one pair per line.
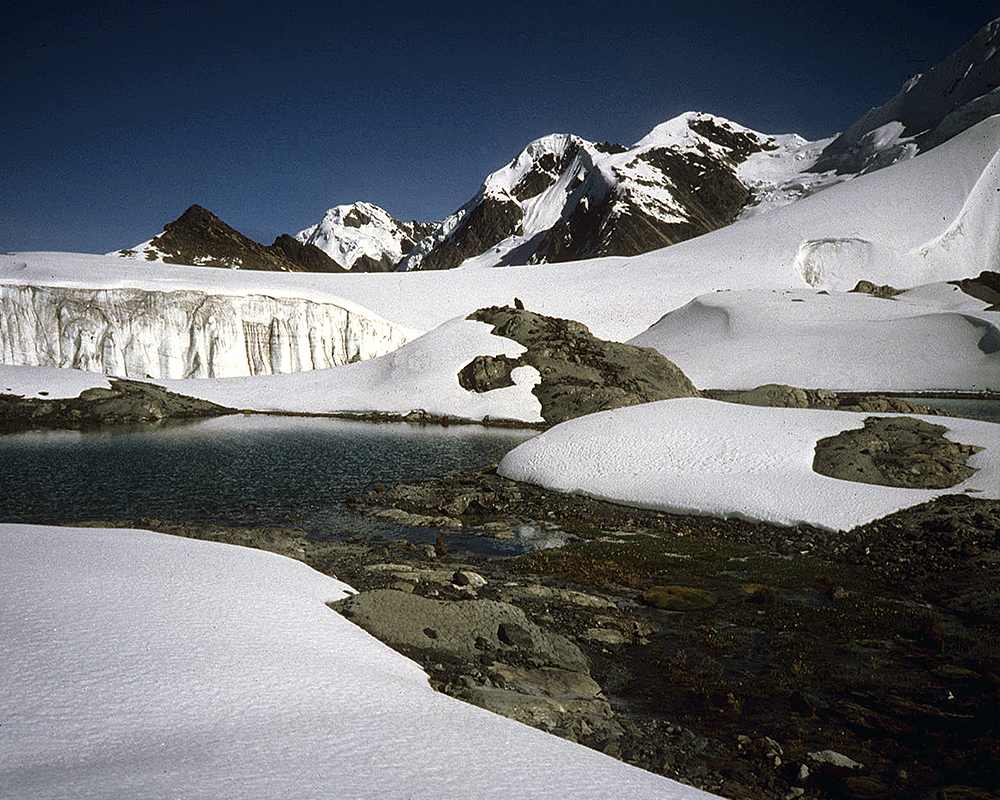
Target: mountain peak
x,y
200,238
363,237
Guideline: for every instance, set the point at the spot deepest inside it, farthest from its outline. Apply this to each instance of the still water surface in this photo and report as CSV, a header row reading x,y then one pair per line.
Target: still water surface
x,y
232,470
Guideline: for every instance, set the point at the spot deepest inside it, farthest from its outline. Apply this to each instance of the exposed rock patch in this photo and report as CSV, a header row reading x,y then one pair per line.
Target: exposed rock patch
x,y
580,374
884,291
895,451
780,395
458,630
985,287
127,402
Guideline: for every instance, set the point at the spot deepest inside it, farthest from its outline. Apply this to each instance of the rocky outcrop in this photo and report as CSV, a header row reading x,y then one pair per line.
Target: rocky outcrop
x,y
199,238
780,395
985,287
885,291
459,630
580,374
895,451
124,403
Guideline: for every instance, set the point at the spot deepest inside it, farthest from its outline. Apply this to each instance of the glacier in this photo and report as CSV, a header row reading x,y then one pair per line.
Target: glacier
x,y
148,333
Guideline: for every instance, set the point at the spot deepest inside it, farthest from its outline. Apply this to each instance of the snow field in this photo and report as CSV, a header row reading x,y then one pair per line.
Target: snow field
x,y
697,456
140,665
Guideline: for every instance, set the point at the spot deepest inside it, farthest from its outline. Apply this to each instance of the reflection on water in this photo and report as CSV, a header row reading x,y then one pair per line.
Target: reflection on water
x,y
232,470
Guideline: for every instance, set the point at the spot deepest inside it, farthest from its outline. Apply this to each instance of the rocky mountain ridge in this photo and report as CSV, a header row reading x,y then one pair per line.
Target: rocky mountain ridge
x,y
563,198
199,238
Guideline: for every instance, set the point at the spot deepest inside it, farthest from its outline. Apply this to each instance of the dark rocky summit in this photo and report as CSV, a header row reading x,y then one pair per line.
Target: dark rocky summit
x,y
487,222
305,257
618,225
198,237
127,402
580,374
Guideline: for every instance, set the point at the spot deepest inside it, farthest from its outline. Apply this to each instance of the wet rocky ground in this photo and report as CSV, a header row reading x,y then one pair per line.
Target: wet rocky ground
x,y
750,660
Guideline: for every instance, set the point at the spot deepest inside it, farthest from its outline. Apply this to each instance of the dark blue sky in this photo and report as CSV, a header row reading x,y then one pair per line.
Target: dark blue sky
x,y
118,115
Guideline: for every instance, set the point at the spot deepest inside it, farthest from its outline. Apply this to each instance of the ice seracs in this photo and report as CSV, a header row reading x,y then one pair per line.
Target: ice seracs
x,y
145,331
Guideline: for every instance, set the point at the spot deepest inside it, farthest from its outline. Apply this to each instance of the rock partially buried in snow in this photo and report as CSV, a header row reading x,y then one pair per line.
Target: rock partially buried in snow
x,y
895,451
580,374
456,629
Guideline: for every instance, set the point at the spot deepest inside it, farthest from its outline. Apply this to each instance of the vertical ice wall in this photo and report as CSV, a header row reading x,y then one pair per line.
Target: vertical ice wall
x,y
138,333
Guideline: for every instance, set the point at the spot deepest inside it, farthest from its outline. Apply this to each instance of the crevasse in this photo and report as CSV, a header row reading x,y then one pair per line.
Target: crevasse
x,y
137,333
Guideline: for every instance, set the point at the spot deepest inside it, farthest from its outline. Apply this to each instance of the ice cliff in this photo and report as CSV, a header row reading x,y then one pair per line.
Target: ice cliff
x,y
141,333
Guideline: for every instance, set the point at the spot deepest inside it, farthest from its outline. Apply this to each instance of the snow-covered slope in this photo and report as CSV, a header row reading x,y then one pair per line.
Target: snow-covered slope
x,y
699,456
364,237
140,665
422,375
930,108
738,340
564,198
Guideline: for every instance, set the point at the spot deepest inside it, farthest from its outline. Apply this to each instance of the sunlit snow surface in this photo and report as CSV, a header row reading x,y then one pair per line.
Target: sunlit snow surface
x,y
706,457
138,665
936,337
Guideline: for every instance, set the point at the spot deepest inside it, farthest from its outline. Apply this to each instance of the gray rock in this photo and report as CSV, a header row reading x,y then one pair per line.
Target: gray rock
x,y
401,621
895,451
885,291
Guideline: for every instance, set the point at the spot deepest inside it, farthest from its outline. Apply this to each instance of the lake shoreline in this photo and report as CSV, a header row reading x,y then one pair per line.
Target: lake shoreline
x,y
845,642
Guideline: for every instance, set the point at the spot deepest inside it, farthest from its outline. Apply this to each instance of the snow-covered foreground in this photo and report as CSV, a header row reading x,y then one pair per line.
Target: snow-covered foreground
x,y
138,665
700,456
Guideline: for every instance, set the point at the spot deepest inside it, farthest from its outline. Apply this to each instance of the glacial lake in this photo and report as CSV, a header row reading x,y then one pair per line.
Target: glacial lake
x,y
237,470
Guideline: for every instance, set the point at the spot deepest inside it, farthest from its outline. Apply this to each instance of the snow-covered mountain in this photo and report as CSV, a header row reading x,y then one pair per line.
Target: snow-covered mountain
x,y
199,238
363,237
930,109
564,198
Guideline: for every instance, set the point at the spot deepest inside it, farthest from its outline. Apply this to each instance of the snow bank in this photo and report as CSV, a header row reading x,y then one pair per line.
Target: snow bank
x,y
138,665
849,342
48,382
696,456
420,375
